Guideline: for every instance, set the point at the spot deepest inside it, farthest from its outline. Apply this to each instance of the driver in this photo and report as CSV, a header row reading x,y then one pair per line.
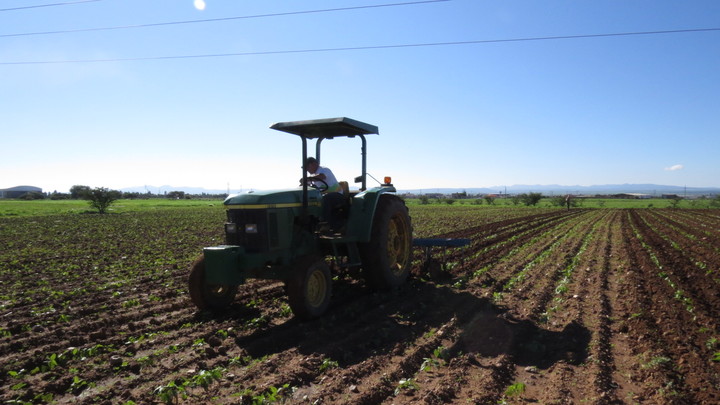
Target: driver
x,y
332,196
321,173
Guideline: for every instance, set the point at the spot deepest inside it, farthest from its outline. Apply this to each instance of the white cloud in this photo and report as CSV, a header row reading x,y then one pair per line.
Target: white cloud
x,y
674,168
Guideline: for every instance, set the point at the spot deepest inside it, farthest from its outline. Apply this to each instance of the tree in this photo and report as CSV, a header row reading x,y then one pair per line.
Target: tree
x,y
101,198
79,192
531,198
176,195
490,199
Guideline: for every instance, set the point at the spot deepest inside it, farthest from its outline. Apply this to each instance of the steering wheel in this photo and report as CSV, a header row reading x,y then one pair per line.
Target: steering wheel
x,y
317,184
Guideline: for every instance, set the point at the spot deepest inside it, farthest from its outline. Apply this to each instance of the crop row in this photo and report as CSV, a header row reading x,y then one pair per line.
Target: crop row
x,y
545,306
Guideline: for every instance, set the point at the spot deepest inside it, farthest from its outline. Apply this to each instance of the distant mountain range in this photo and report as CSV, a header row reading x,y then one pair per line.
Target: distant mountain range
x,y
551,189
166,189
554,189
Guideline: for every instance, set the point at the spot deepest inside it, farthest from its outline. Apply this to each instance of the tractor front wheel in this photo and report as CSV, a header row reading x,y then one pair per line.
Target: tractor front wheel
x,y
309,288
386,258
205,295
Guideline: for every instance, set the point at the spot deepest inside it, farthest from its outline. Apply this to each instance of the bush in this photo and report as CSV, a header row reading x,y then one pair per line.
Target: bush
x,y
32,195
101,198
59,196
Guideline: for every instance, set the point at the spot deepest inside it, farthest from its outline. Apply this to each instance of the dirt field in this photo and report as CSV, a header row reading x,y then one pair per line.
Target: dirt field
x,y
604,306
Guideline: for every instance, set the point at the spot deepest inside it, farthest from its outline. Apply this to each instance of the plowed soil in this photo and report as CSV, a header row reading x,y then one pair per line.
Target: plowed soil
x,y
543,306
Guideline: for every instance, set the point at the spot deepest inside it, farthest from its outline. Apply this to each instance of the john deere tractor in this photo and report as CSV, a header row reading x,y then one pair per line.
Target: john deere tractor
x,y
276,234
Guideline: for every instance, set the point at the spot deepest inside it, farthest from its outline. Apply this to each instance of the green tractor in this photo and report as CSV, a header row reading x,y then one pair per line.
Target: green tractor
x,y
276,234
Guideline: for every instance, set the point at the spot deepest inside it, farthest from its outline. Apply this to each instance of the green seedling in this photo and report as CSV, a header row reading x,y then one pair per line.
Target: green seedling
x,y
328,364
406,384
515,390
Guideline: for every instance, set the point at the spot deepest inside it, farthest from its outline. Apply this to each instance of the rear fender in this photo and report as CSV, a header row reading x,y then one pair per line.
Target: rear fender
x,y
362,212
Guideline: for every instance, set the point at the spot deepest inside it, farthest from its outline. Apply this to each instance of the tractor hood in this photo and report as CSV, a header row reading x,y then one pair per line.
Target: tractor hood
x,y
272,199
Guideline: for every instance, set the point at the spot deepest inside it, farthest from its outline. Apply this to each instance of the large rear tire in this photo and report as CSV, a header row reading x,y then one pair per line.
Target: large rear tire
x,y
309,288
208,296
386,258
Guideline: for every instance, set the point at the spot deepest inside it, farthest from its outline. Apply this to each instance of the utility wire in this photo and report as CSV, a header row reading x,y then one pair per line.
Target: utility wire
x,y
362,48
67,3
122,27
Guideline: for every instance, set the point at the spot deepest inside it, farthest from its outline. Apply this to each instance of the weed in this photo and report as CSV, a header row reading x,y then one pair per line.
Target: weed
x,y
656,362
328,364
430,333
285,311
514,390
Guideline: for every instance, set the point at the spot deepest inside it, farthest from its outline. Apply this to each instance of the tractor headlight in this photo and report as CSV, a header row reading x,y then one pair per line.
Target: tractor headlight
x,y
251,228
231,228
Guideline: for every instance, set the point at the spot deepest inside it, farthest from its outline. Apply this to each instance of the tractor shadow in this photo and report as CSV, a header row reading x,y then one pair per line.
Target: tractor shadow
x,y
493,332
350,336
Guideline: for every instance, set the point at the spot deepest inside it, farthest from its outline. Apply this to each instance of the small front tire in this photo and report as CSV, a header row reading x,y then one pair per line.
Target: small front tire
x,y
309,289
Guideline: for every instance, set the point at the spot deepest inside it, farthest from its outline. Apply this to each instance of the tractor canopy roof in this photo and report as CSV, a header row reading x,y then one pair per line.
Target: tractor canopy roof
x,y
326,128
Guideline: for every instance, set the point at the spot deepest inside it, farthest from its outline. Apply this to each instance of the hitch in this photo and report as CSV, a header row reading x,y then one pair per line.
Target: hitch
x,y
432,266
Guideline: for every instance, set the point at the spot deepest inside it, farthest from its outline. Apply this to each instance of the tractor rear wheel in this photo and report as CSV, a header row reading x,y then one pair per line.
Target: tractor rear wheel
x,y
386,258
208,296
309,288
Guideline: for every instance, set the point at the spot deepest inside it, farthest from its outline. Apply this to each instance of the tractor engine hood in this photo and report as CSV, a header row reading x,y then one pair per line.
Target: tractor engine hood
x,y
272,199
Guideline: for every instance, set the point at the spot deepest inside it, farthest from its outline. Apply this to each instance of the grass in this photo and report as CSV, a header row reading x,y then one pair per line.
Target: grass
x,y
582,203
20,208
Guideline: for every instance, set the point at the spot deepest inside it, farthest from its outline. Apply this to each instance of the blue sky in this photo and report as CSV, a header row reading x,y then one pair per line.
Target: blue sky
x,y
582,111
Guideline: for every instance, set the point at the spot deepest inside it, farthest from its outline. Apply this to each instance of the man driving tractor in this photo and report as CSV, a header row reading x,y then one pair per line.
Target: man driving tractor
x,y
324,180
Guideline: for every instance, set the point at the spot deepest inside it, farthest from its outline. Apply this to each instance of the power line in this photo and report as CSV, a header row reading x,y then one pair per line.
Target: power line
x,y
67,3
363,48
122,27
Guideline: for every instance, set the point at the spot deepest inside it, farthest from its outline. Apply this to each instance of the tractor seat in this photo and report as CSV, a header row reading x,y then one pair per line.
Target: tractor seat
x,y
345,188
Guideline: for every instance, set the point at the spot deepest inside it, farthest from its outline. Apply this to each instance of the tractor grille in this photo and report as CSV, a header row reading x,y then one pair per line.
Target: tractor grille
x,y
254,242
